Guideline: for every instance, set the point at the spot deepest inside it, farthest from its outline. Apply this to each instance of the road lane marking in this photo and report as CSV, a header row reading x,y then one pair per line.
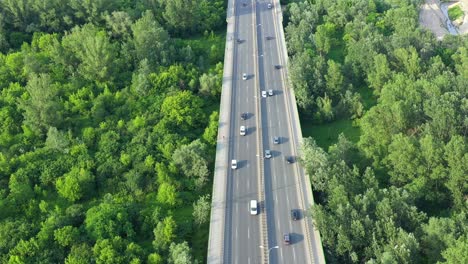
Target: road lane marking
x,y
236,233
294,255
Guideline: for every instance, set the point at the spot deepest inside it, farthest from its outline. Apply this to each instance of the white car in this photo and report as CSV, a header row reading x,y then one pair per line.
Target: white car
x,y
264,94
234,164
269,6
267,153
276,140
244,76
253,207
270,92
242,130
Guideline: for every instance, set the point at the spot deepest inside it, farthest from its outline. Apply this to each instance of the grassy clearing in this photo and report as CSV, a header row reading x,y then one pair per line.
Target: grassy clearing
x,y
368,98
198,237
209,45
327,134
200,242
455,12
337,50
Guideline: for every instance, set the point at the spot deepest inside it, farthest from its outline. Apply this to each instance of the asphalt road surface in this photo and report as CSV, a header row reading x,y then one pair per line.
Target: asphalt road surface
x,y
256,54
242,230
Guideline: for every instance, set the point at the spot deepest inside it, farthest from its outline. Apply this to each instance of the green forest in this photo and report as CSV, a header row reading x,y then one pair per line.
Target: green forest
x,y
108,113
398,191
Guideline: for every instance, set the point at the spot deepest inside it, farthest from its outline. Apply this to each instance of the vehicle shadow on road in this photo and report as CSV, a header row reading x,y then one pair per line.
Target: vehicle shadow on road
x,y
296,238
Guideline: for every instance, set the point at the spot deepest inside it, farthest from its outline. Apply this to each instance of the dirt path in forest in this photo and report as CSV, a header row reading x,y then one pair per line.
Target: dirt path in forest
x,y
435,18
432,18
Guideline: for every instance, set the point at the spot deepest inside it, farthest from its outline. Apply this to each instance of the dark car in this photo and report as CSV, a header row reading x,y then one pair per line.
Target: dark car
x,y
277,67
295,215
243,116
286,239
289,159
269,37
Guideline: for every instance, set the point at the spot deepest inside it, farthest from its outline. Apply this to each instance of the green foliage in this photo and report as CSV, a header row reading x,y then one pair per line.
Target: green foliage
x,y
211,130
201,210
108,251
40,105
95,98
67,235
107,220
183,111
150,40
184,17
327,134
75,184
180,253
455,12
164,233
399,194
167,194
79,254
192,161
455,253
56,140
92,51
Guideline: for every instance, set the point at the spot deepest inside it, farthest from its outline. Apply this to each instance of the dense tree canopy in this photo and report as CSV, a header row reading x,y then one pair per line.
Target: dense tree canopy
x,y
99,100
398,194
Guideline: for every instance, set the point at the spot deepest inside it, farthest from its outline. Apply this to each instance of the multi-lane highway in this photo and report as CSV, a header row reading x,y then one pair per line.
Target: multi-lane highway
x,y
255,45
242,230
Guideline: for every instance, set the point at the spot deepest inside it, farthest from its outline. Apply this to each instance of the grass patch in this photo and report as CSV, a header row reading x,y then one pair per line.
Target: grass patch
x,y
327,134
337,50
368,98
200,242
455,12
209,46
198,237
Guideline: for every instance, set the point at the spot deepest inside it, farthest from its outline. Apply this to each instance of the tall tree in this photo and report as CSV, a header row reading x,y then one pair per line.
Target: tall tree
x,y
180,253
192,161
76,184
151,41
201,210
92,48
41,107
334,78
